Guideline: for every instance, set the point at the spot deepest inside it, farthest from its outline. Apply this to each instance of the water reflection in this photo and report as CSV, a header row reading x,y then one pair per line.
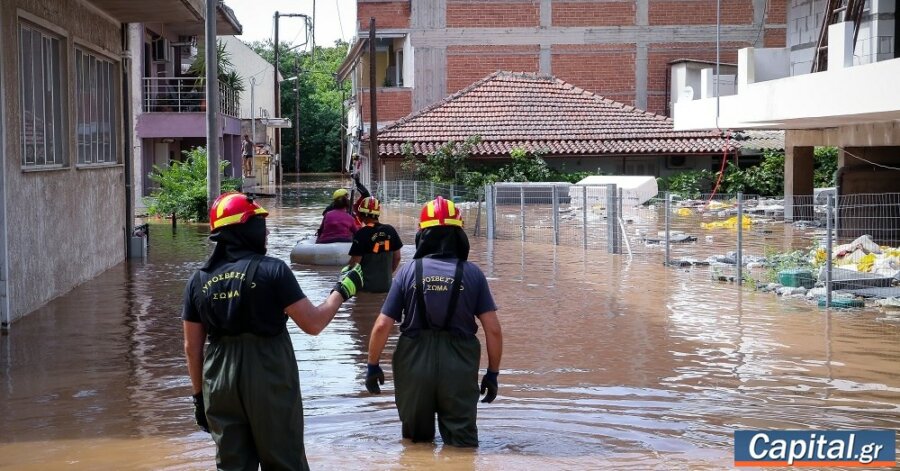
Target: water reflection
x,y
608,364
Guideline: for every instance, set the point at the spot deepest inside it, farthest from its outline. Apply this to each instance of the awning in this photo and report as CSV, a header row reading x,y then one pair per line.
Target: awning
x,y
351,60
226,24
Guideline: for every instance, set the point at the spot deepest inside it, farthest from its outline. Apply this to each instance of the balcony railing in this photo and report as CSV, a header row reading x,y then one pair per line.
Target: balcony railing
x,y
186,95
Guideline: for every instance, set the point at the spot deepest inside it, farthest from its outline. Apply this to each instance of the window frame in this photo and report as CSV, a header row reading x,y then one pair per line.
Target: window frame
x,y
58,94
110,106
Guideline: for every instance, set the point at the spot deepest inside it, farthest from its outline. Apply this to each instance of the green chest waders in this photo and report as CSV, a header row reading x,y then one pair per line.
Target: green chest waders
x,y
436,372
251,388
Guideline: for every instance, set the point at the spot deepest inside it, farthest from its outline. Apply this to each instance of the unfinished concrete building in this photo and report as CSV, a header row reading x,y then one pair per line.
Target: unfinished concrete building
x,y
846,97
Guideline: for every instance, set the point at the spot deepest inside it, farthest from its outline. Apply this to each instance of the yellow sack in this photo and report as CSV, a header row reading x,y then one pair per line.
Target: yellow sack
x,y
866,263
730,223
684,212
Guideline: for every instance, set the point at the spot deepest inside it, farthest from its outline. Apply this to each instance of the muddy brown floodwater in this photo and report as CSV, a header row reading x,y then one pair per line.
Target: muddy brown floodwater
x,y
606,365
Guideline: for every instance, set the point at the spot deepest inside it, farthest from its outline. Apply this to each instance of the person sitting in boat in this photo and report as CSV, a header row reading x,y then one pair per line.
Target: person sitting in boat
x,y
376,247
338,225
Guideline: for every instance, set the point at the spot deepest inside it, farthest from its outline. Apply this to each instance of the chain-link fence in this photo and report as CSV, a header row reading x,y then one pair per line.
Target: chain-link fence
x,y
408,196
760,241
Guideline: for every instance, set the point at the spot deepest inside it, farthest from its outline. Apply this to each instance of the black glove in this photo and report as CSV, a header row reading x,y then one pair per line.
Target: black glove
x,y
200,412
351,279
374,376
489,384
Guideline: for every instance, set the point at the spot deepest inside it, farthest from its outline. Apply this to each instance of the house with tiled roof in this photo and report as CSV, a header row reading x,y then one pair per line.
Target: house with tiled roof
x,y
575,129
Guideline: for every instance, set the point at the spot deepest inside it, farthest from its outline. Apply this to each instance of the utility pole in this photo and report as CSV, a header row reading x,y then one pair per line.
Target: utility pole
x,y
280,169
213,187
297,116
373,102
252,114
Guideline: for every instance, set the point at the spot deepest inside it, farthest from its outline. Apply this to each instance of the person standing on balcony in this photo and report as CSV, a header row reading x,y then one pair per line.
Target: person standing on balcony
x,y
247,155
437,299
246,388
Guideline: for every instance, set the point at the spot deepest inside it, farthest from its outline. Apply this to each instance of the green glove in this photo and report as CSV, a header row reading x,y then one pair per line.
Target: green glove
x,y
351,279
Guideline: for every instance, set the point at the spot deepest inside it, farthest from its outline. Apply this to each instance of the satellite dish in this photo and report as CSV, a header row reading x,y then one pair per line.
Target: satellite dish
x,y
687,94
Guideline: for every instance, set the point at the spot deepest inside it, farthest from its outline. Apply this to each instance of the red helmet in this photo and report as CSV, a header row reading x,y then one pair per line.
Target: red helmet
x,y
369,206
233,208
440,212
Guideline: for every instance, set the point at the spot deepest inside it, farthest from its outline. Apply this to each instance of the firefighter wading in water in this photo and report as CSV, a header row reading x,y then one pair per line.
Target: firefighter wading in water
x,y
246,384
376,247
436,299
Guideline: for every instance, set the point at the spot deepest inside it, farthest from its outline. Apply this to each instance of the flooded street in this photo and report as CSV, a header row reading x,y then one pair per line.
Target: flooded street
x,y
607,364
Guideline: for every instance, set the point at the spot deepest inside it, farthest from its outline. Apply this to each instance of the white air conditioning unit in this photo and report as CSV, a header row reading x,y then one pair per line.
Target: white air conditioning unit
x,y
161,50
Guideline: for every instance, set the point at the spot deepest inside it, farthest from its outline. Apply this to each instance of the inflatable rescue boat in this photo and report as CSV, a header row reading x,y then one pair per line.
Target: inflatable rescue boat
x,y
308,252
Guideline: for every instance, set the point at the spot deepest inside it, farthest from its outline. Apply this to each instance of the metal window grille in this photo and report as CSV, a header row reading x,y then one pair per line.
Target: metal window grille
x,y
43,141
95,98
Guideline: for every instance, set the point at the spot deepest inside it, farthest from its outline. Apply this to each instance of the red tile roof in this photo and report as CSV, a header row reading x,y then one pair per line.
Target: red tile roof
x,y
536,112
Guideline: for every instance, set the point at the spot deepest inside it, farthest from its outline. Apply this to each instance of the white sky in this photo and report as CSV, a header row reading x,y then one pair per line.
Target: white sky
x,y
256,16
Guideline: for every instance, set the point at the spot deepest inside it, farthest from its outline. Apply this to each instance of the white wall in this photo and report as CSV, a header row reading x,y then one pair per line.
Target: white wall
x,y
826,99
249,64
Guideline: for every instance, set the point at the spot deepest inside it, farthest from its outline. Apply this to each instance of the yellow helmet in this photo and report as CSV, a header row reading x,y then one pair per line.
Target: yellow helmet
x,y
370,206
440,212
339,193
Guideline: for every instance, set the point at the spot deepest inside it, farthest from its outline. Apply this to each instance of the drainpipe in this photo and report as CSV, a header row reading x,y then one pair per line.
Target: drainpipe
x,y
129,149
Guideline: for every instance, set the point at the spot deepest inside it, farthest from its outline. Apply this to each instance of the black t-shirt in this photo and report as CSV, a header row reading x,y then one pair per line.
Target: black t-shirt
x,y
214,298
376,244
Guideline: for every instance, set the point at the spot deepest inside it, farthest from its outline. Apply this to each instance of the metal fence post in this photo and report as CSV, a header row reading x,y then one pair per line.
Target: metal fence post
x,y
522,209
738,258
668,209
620,231
478,215
612,232
584,204
415,191
555,209
489,204
432,195
383,179
828,248
400,191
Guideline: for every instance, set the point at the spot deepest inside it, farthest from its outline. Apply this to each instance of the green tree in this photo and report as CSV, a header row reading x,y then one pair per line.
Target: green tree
x,y
447,164
224,66
825,166
320,104
689,184
525,167
765,178
182,187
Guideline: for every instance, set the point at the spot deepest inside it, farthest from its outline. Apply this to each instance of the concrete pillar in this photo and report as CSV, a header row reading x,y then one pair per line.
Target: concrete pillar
x,y
798,183
707,85
840,45
746,69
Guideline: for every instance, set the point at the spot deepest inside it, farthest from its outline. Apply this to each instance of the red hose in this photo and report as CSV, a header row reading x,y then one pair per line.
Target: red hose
x,y
721,170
